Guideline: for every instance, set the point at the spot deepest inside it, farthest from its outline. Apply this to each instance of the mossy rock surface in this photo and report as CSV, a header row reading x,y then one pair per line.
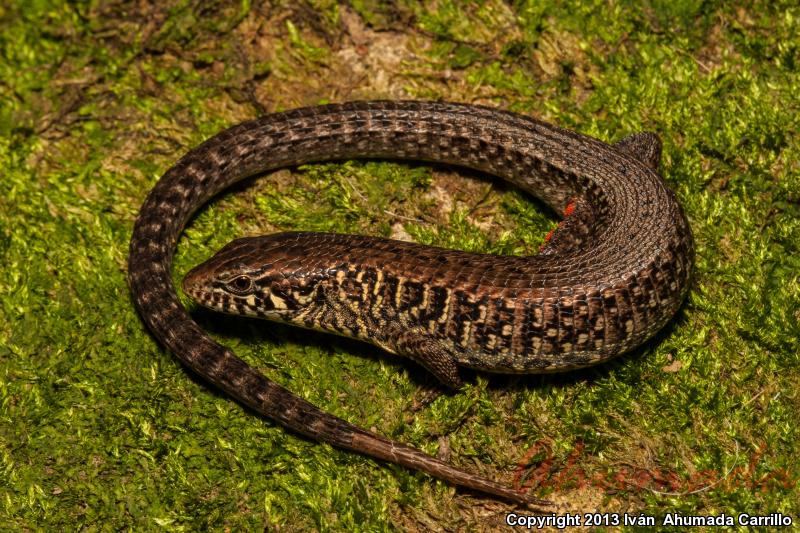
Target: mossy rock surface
x,y
102,429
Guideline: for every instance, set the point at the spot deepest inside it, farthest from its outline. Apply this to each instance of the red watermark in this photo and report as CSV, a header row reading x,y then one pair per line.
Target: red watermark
x,y
539,468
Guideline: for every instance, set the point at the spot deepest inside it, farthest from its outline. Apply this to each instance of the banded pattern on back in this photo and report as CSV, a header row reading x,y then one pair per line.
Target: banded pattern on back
x,y
374,289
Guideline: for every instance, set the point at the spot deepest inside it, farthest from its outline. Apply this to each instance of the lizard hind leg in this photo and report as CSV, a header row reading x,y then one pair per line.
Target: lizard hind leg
x,y
644,146
579,217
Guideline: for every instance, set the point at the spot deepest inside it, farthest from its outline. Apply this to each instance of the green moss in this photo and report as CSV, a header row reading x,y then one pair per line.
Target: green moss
x,y
103,429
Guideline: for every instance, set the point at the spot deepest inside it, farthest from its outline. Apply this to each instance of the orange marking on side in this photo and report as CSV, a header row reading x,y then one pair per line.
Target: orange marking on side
x,y
570,208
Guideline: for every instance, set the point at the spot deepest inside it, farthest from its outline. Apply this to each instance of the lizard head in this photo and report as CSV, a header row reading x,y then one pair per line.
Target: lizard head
x,y
254,276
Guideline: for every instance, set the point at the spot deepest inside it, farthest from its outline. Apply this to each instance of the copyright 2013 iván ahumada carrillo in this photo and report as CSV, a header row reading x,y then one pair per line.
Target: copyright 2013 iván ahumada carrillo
x,y
601,520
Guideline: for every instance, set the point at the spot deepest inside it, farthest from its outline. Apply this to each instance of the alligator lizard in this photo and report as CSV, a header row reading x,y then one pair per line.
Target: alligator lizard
x,y
613,273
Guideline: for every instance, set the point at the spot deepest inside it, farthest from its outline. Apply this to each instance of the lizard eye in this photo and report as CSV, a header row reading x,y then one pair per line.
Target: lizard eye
x,y
240,285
